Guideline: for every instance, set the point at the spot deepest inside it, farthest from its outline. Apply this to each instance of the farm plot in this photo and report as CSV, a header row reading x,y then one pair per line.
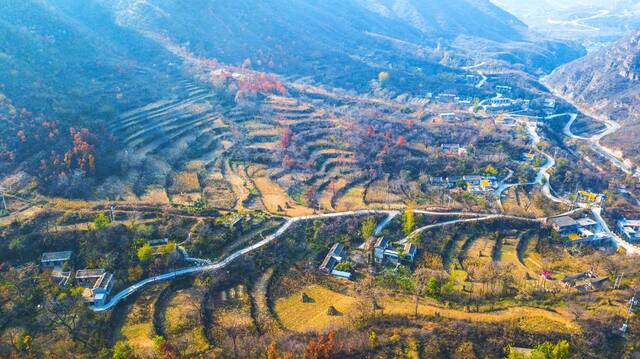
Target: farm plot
x,y
230,314
276,199
264,320
182,324
137,329
312,315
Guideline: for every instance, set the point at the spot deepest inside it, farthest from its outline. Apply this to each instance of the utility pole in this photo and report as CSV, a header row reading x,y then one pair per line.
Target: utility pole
x,y
112,213
618,280
4,202
633,301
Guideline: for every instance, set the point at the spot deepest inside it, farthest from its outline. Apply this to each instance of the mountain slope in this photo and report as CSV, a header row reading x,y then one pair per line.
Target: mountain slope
x,y
449,19
607,82
58,55
329,38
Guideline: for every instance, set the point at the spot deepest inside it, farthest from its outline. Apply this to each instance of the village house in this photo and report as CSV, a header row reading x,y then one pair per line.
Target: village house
x,y
161,246
97,284
336,254
564,225
505,121
448,116
582,230
629,229
453,149
480,184
549,103
55,261
453,181
503,89
588,197
586,281
499,102
437,181
385,252
446,98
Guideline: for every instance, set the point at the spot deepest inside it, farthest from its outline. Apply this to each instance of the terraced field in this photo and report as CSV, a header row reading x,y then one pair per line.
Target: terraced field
x,y
313,150
237,154
137,329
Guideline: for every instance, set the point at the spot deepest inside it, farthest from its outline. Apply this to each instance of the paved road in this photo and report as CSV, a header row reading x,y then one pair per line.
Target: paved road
x,y
543,178
115,299
477,218
596,145
630,248
612,126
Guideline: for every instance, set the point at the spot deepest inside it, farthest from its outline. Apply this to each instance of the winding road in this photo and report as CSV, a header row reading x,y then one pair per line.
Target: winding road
x,y
595,142
118,297
542,179
477,217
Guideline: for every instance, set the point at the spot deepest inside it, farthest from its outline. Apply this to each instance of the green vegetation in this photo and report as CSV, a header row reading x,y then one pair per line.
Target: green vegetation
x,y
145,253
368,228
546,350
408,223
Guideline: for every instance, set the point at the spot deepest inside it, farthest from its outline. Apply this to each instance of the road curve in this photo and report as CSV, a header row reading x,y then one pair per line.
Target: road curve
x,y
123,294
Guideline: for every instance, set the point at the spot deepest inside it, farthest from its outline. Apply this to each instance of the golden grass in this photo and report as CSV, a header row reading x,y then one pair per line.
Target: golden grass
x,y
329,191
185,182
481,250
239,183
195,165
276,200
545,321
137,329
265,146
186,199
353,199
70,204
304,317
510,256
182,322
379,192
155,195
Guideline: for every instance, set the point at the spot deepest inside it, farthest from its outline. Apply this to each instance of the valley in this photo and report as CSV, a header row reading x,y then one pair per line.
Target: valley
x,y
303,179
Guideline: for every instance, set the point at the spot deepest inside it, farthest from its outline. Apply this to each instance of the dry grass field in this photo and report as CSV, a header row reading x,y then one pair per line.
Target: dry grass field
x,y
305,317
185,182
530,319
276,199
182,323
137,329
352,200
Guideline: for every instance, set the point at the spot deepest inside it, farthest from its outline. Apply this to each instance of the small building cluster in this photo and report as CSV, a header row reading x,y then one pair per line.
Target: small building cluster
x,y
384,252
336,254
475,184
586,281
453,149
577,231
97,283
589,197
480,184
629,229
57,263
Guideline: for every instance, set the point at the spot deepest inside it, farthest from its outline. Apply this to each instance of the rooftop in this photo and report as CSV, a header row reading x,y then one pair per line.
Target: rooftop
x,y
630,223
586,222
564,221
89,273
56,256
381,242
